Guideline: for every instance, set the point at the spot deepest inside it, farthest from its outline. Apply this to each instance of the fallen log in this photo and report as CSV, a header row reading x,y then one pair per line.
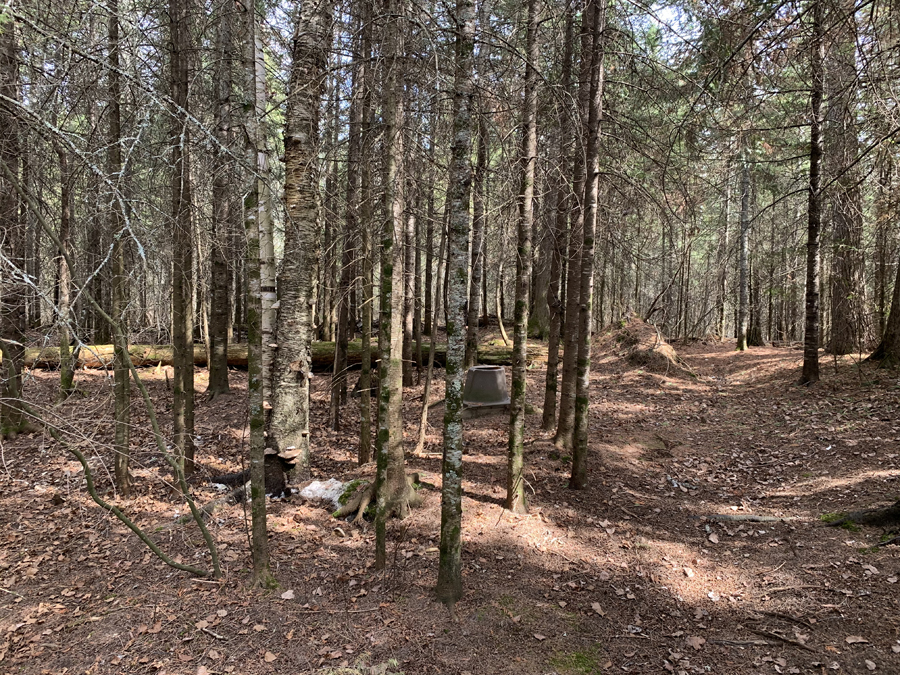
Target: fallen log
x,y
101,356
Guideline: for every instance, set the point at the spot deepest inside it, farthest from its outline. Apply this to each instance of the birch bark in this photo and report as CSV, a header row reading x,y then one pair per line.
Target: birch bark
x,y
290,381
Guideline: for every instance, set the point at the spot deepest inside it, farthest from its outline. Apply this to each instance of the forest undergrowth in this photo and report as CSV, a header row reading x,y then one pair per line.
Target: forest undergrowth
x,y
639,573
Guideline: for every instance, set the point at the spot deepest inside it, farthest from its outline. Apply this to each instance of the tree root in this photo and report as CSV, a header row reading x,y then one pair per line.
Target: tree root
x,y
357,503
365,494
883,517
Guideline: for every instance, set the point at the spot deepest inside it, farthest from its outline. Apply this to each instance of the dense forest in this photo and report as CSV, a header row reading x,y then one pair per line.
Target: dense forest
x,y
222,203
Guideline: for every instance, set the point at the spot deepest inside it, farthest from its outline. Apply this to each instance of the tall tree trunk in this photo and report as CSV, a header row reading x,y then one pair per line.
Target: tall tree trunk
x,y
478,225
744,258
724,257
449,584
850,325
432,348
255,153
182,237
565,425
267,268
329,254
515,477
367,155
810,373
539,315
115,169
290,381
224,209
64,278
391,484
883,223
592,60
428,315
417,290
351,231
499,305
409,283
560,224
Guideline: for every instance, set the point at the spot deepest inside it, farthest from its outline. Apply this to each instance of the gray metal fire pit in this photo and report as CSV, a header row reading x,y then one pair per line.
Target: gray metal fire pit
x,y
485,391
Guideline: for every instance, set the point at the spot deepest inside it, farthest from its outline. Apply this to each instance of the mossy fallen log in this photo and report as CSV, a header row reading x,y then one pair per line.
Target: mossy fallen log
x,y
101,356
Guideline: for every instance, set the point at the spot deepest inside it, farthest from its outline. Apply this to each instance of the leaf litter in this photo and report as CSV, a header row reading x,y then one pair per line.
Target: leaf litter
x,y
80,593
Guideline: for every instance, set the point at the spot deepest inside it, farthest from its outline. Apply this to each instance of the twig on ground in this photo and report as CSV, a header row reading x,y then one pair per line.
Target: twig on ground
x,y
741,643
339,611
786,617
633,515
782,638
215,635
780,589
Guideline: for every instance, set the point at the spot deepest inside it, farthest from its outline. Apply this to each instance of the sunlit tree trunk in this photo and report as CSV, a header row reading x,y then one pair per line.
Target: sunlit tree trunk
x,y
449,584
391,485
364,75
290,382
267,269
515,476
255,155
565,425
592,57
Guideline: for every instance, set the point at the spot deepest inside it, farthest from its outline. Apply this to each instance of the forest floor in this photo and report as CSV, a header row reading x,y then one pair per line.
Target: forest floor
x,y
625,576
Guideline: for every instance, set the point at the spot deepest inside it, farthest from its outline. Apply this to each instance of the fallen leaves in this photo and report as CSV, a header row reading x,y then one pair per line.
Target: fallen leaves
x,y
695,641
287,595
269,657
597,608
855,640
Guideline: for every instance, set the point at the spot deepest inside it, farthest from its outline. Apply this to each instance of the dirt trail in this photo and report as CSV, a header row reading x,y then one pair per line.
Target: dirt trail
x,y
619,578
